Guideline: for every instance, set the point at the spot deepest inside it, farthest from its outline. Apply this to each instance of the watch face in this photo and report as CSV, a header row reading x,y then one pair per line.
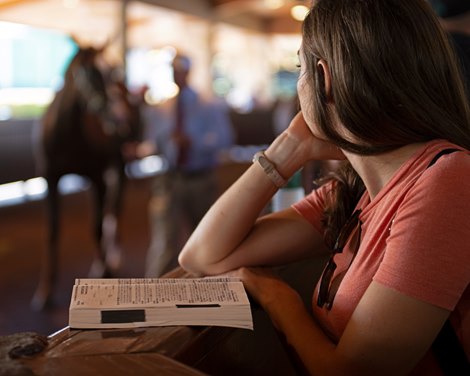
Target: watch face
x,y
263,161
269,169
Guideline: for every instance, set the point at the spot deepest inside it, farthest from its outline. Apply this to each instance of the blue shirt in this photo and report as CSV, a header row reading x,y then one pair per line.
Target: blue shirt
x,y
206,123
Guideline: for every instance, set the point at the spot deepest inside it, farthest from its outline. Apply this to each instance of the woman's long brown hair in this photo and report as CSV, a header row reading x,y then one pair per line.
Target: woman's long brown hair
x,y
395,81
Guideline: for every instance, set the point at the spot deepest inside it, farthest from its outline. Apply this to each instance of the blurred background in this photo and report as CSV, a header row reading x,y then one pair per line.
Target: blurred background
x,y
244,52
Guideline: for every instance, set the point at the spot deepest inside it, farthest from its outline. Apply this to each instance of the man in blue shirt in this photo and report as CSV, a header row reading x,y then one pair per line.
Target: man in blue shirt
x,y
190,133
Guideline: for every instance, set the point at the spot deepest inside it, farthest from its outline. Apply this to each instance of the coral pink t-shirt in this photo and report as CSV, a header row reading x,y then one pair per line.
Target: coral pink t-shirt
x,y
415,239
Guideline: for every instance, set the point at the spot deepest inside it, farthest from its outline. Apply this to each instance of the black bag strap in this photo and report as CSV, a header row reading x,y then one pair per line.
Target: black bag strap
x,y
446,347
440,154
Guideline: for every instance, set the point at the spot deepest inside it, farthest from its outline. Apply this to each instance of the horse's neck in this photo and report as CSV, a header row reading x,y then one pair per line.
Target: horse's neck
x,y
63,112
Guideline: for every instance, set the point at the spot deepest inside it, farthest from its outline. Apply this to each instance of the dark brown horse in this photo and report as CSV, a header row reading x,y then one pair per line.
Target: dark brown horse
x,y
83,132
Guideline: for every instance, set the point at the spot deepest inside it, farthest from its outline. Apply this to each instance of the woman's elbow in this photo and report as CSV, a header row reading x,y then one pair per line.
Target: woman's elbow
x,y
186,260
192,262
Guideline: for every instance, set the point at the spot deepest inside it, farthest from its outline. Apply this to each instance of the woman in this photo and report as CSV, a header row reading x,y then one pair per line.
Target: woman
x,y
380,87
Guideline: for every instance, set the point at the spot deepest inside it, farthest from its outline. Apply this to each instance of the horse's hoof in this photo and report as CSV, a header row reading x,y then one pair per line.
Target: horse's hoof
x,y
114,258
98,269
42,300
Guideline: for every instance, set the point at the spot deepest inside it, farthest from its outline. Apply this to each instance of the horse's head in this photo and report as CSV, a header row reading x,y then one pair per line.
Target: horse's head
x,y
84,77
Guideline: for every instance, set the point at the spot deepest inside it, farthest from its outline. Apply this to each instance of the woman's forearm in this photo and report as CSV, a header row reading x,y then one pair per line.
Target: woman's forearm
x,y
231,219
228,222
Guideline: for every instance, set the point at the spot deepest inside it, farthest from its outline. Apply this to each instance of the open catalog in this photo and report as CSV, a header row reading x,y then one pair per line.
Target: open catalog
x,y
139,302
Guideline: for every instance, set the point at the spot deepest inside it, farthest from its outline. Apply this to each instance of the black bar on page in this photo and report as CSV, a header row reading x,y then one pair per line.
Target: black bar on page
x,y
198,306
122,316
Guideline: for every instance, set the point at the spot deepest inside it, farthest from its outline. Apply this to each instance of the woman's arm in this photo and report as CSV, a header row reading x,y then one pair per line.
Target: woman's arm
x,y
388,333
231,234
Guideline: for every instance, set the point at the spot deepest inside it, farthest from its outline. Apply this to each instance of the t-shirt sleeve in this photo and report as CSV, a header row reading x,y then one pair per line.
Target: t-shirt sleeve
x,y
313,205
428,251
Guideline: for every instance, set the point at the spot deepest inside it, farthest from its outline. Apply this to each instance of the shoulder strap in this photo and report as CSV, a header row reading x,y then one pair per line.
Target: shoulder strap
x,y
446,347
440,154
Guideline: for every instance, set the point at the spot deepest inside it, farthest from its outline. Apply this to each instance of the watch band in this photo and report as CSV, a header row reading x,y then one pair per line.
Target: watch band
x,y
270,169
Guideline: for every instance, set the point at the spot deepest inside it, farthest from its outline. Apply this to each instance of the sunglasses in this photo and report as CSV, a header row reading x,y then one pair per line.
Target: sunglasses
x,y
350,233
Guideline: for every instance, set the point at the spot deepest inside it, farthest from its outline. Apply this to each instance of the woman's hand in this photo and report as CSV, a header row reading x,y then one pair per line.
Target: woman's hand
x,y
272,293
317,147
299,144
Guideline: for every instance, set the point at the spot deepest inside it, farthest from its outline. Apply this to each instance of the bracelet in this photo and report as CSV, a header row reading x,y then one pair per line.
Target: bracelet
x,y
269,168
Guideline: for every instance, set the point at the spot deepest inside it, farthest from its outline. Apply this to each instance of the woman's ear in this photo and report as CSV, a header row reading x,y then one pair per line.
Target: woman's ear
x,y
324,72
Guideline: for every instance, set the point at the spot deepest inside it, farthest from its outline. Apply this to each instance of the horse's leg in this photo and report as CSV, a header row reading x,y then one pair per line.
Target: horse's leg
x,y
115,185
99,268
48,275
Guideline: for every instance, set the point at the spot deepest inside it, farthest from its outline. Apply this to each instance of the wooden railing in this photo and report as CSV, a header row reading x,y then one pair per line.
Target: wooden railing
x,y
176,350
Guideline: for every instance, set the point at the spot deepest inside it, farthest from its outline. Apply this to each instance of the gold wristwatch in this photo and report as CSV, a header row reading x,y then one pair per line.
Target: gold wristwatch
x,y
269,168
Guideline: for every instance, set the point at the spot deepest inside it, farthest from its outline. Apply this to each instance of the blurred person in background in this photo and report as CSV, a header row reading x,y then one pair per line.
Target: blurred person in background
x,y
190,132
455,19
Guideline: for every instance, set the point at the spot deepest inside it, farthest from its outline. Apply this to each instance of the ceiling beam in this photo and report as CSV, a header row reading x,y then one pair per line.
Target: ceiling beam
x,y
207,9
5,4
200,8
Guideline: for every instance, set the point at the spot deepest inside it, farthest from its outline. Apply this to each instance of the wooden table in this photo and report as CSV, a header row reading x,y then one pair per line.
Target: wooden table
x,y
171,350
